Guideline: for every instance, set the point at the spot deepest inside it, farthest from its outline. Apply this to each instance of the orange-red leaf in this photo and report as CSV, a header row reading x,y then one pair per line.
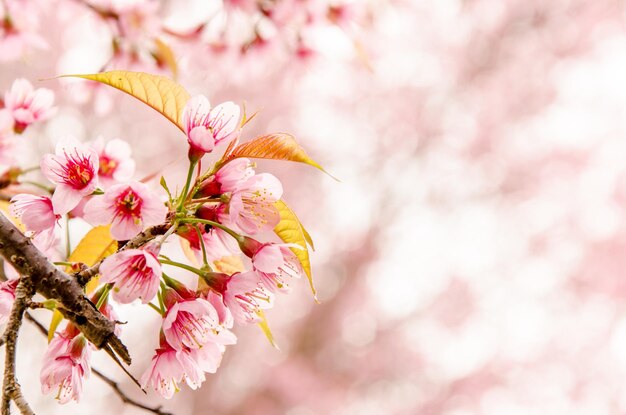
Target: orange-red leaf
x,y
279,146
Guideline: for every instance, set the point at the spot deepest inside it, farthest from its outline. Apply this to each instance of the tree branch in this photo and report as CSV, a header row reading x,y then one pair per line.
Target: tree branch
x,y
52,283
11,388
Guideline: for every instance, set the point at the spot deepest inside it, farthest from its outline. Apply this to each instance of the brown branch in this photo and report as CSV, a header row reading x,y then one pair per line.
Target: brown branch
x,y
11,388
84,276
114,385
52,283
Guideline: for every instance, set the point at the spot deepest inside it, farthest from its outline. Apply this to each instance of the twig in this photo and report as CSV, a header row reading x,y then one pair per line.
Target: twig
x,y
11,388
157,410
114,385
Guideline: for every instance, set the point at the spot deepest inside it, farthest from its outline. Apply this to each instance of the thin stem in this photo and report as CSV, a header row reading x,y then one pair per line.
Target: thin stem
x,y
104,295
28,170
39,185
183,266
183,194
226,229
204,260
155,308
169,232
63,263
205,200
67,236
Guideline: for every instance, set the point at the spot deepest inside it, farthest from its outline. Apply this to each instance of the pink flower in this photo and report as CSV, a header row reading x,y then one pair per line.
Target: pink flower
x,y
135,272
228,178
35,212
206,127
129,208
37,215
251,207
275,263
7,297
66,364
116,164
28,105
169,367
74,169
245,296
189,323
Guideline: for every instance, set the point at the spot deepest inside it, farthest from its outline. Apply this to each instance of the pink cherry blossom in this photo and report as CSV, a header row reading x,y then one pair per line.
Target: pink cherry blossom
x,y
228,178
35,212
190,323
28,105
74,169
66,364
129,208
170,367
7,297
37,215
251,207
116,164
276,264
135,272
245,296
206,127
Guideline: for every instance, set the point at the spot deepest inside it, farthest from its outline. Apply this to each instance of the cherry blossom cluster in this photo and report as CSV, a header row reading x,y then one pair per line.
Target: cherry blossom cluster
x,y
216,215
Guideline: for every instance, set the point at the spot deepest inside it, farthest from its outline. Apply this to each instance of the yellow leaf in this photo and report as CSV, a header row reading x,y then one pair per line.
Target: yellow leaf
x,y
229,265
279,146
4,207
159,92
95,246
290,230
266,329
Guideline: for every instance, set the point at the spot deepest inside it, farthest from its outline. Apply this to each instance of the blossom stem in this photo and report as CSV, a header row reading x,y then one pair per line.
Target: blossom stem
x,y
38,185
67,236
63,263
183,266
226,229
28,170
205,262
104,295
183,195
155,308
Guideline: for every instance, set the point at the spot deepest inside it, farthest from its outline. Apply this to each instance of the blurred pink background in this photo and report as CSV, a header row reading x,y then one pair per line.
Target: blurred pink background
x,y
472,258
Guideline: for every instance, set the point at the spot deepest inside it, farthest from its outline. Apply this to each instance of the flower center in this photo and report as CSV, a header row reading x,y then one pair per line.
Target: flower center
x,y
78,171
129,204
107,166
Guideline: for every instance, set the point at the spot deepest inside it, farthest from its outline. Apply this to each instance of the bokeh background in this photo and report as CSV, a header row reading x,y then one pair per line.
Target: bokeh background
x,y
472,257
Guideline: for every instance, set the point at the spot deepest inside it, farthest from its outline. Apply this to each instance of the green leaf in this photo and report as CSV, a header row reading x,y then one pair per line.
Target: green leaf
x,y
266,329
159,92
279,146
290,230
